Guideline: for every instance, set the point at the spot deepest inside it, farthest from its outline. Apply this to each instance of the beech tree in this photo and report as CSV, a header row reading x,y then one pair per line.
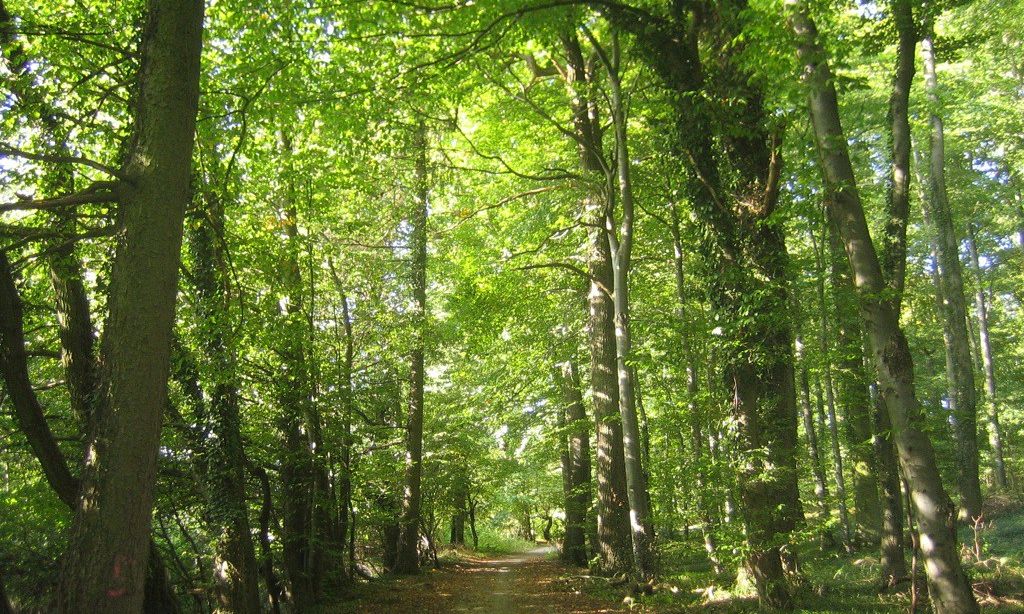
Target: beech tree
x,y
299,297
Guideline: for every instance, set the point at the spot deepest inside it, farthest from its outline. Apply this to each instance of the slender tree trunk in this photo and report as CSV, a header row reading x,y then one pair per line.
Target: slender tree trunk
x,y
301,545
575,465
621,247
613,525
995,433
894,267
854,397
28,412
949,586
813,452
71,303
472,522
457,536
962,396
830,400
705,507
408,542
235,572
266,554
344,487
106,565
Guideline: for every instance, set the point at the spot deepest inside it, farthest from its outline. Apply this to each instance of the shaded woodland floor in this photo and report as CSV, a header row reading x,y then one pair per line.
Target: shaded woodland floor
x,y
509,584
833,582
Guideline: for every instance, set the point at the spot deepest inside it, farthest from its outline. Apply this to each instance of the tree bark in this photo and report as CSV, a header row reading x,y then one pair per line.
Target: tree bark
x,y
813,452
995,431
950,589
962,396
742,248
614,538
235,573
301,545
408,542
854,397
575,465
28,412
457,536
830,400
620,242
894,267
105,566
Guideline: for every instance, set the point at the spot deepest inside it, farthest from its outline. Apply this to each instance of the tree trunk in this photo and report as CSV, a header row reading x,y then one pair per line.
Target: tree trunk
x,y
472,522
962,396
893,559
28,413
830,400
345,453
995,433
613,525
620,242
743,248
813,452
71,303
575,465
235,572
300,544
894,267
458,529
266,554
105,566
949,586
854,397
408,542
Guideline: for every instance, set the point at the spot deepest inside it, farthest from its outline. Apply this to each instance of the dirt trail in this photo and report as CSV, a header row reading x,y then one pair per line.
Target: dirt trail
x,y
519,584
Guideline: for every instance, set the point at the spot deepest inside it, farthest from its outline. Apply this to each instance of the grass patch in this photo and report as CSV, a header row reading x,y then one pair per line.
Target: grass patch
x,y
496,542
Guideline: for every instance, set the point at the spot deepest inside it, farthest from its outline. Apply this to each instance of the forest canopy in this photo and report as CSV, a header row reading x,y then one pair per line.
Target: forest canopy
x,y
719,301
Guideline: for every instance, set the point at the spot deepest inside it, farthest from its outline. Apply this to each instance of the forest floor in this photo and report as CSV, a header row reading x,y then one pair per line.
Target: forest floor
x,y
525,583
832,582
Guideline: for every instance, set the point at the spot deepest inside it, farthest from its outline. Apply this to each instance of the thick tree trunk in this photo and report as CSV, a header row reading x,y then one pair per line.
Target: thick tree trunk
x,y
614,539
893,559
613,526
575,465
995,432
743,248
106,565
620,242
408,542
962,396
457,536
949,586
894,267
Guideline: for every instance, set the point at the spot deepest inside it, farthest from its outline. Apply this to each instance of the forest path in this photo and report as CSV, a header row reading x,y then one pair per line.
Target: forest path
x,y
524,583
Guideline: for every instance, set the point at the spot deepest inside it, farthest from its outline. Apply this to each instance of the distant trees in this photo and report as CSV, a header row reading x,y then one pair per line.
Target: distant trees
x,y
592,272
